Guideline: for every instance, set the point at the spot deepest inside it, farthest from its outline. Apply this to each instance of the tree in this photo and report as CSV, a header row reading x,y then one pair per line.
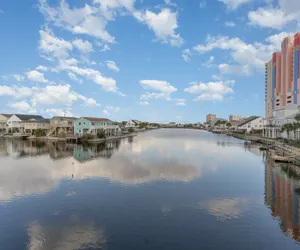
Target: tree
x,y
297,117
228,125
39,132
288,127
101,134
131,130
124,123
296,126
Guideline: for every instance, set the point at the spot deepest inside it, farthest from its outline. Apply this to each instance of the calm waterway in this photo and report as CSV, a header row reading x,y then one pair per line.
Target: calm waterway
x,y
164,189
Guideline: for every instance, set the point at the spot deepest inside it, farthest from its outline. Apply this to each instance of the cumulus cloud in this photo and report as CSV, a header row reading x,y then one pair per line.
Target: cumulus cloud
x,y
15,92
144,103
92,102
36,76
52,46
247,57
19,78
211,91
112,65
59,112
83,46
22,107
233,4
276,17
163,24
149,96
161,86
203,4
186,54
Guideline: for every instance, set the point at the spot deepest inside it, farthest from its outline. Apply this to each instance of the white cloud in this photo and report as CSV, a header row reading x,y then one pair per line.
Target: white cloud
x,y
19,78
203,4
21,107
16,92
92,102
208,63
211,91
276,17
180,102
149,96
54,95
105,48
42,68
86,20
108,84
59,112
163,25
74,77
161,86
186,54
105,112
36,76
52,46
230,24
233,4
247,57
83,46
112,65
144,103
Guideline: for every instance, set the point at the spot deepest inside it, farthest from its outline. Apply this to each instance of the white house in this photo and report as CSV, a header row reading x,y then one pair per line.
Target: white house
x,y
132,124
16,122
3,122
281,116
252,123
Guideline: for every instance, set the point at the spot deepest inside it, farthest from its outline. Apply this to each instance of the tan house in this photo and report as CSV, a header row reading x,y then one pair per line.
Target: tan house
x,y
3,122
61,125
32,125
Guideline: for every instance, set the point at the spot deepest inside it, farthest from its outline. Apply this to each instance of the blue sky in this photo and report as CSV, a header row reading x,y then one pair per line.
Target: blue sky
x,y
153,60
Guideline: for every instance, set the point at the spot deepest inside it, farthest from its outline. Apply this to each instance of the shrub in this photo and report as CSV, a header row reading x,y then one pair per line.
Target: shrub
x,y
101,134
88,136
131,130
39,132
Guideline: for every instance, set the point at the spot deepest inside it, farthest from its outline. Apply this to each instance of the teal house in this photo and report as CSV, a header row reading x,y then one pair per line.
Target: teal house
x,y
91,125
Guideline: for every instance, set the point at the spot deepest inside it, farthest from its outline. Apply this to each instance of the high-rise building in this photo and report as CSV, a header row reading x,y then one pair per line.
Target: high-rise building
x,y
234,118
211,118
282,76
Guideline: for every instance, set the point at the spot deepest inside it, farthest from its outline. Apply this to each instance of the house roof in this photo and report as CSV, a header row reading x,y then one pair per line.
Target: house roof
x,y
135,121
7,115
29,117
250,119
95,119
64,117
38,121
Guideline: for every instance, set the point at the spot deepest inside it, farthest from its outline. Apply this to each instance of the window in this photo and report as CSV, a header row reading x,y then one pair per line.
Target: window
x,y
79,123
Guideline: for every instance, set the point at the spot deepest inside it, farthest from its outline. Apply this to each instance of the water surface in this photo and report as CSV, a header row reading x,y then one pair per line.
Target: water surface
x,y
164,189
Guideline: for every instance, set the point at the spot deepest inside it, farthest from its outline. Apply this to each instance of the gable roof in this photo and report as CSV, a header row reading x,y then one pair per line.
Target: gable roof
x,y
95,119
135,122
29,117
250,119
38,121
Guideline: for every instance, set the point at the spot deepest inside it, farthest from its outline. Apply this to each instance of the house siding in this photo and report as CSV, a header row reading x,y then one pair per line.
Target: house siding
x,y
81,126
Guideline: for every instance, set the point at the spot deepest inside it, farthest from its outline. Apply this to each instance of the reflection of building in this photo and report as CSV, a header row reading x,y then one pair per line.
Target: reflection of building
x,y
60,150
90,152
283,200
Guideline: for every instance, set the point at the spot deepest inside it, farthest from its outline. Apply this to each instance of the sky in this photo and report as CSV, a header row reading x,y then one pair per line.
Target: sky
x,y
150,60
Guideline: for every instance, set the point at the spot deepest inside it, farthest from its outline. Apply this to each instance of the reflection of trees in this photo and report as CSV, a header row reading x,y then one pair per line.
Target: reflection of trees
x,y
60,150
68,236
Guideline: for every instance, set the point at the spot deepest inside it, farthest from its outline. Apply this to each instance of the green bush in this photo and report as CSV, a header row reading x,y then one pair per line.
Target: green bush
x,y
62,135
88,136
131,130
101,134
39,132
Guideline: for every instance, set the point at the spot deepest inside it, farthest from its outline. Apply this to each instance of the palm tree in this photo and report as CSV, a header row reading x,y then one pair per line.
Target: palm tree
x,y
297,117
288,127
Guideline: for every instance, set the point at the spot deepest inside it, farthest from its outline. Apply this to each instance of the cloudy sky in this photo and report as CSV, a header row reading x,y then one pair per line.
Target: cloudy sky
x,y
155,60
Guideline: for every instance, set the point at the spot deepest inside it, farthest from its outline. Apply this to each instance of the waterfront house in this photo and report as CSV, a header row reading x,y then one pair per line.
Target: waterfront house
x,y
3,122
61,125
92,125
15,124
31,126
252,123
132,124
